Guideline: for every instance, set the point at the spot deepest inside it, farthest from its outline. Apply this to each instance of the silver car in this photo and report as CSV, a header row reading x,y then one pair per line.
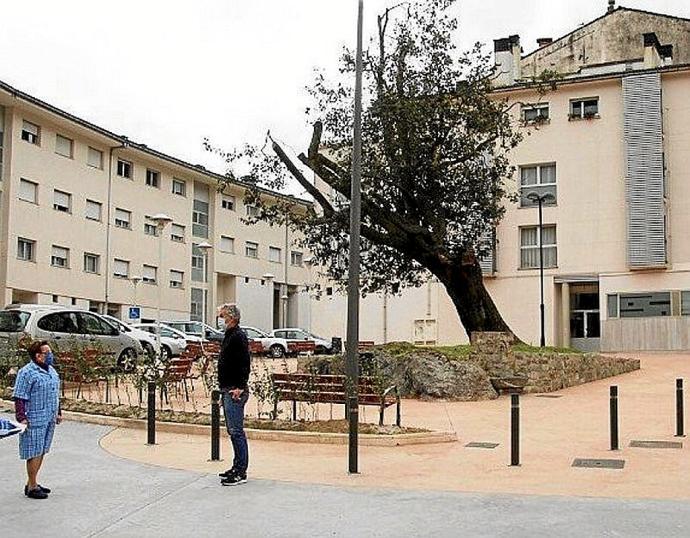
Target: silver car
x,y
173,342
63,327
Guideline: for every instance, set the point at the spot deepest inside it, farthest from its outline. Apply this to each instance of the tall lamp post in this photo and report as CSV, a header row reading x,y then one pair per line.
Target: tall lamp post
x,y
161,220
269,277
204,247
539,200
351,361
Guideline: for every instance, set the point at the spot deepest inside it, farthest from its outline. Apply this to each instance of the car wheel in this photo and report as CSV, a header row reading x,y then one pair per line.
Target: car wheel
x,y
166,352
127,361
277,351
149,349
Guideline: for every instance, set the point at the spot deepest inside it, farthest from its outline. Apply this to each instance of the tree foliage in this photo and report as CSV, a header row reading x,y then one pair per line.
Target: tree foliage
x,y
435,165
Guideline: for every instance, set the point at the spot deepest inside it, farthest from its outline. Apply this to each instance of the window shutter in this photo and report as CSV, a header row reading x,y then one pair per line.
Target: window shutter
x,y
27,190
642,133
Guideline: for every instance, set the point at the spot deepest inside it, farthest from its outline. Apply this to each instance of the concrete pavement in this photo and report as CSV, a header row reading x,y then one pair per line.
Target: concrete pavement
x,y
97,494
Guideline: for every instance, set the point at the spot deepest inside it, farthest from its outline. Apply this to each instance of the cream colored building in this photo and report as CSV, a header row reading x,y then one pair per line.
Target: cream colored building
x,y
75,228
611,145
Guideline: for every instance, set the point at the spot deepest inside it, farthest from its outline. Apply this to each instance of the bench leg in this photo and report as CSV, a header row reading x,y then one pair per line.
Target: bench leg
x,y
275,409
381,410
397,413
294,409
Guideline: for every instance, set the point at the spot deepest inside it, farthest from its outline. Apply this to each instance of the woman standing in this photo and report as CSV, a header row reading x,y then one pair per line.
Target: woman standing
x,y
37,405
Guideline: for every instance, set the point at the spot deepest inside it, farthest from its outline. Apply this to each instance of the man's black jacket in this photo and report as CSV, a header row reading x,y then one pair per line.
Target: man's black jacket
x,y
233,360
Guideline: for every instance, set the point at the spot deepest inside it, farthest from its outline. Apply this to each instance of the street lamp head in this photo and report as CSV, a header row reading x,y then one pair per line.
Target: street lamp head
x,y
268,276
204,246
309,262
135,279
161,219
285,297
545,198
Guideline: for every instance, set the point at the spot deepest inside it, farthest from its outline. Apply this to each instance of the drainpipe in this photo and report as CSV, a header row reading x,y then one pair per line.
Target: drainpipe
x,y
123,144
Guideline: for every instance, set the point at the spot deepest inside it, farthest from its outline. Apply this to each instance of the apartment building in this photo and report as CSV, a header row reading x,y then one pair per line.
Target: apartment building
x,y
609,153
76,202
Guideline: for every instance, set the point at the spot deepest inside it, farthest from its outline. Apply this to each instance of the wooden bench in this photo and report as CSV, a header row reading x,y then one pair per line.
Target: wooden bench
x,y
332,389
303,346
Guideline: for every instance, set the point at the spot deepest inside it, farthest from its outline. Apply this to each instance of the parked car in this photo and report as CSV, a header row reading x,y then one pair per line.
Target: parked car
x,y
197,329
274,346
148,341
292,334
62,326
173,342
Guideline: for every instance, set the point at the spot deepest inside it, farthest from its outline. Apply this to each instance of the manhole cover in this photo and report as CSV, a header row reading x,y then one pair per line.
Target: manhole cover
x,y
548,395
599,464
656,444
481,445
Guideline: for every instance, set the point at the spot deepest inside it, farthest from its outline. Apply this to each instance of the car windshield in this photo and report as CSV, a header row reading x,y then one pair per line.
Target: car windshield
x,y
13,321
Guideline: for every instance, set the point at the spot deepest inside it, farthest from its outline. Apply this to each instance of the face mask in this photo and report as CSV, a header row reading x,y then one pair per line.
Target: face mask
x,y
49,359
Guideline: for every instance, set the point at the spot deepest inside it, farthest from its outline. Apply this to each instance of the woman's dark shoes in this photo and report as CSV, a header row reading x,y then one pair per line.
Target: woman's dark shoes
x,y
36,493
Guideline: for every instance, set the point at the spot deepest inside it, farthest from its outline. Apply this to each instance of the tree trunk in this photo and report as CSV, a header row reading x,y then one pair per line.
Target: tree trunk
x,y
476,308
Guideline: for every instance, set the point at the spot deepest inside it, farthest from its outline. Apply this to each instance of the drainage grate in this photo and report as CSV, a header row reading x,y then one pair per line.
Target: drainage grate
x,y
656,444
481,445
548,395
599,464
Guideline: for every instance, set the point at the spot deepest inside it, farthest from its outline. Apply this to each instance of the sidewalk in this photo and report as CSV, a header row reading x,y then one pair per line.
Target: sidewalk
x,y
554,432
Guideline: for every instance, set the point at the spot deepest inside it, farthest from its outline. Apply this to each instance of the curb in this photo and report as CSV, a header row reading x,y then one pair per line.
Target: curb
x,y
403,439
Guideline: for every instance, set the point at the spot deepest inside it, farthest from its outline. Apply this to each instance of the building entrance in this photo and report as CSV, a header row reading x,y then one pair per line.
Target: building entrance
x,y
585,327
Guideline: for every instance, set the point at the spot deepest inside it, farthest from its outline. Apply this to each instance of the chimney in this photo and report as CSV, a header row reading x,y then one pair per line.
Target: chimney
x,y
652,55
543,41
507,53
612,6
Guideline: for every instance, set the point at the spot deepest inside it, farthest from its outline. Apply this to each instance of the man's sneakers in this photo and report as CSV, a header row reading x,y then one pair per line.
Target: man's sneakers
x,y
235,478
37,493
228,473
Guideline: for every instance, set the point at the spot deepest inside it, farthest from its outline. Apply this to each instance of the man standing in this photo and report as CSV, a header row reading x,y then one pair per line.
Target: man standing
x,y
233,375
37,406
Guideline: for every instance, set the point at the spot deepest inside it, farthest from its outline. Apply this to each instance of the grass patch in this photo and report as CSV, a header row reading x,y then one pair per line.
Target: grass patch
x,y
454,352
526,348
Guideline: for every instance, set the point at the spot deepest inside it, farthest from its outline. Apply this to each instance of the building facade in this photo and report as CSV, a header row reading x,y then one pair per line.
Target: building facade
x,y
76,204
608,152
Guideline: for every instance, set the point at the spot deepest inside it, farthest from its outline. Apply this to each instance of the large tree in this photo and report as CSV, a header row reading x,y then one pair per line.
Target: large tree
x,y
434,164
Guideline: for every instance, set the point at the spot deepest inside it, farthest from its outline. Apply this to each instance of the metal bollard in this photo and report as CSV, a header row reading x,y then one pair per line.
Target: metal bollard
x,y
151,413
514,429
613,408
215,425
680,414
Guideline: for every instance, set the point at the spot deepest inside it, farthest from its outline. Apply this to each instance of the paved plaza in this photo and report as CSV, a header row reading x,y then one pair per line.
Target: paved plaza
x,y
97,494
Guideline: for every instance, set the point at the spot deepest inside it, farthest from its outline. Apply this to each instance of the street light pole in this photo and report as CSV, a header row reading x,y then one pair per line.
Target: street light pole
x,y
135,281
161,220
205,248
540,200
351,363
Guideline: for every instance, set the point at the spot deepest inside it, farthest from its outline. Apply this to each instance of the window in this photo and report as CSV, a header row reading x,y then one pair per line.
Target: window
x,y
121,268
685,303
200,219
645,305
62,201
296,258
227,244
90,324
535,113
60,322
92,263
197,264
251,249
60,257
93,210
329,291
94,158
274,254
179,187
176,279
123,219
177,233
26,249
539,179
529,247
584,108
28,191
150,229
149,274
612,305
30,132
124,168
228,202
252,211
195,307
64,146
153,178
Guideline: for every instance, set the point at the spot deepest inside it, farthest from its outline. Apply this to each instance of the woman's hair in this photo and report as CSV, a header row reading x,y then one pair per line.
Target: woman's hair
x,y
35,348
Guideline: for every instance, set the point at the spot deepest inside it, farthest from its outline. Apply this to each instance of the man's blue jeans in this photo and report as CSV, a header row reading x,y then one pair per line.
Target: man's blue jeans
x,y
234,421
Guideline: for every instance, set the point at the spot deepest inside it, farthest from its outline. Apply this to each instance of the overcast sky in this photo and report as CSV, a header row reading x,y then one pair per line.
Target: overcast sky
x,y
169,72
